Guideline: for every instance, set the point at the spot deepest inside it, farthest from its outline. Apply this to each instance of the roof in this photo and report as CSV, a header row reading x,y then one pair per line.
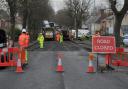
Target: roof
x,y
92,19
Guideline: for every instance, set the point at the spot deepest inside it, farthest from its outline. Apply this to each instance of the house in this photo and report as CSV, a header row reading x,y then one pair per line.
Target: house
x,y
4,20
94,22
107,25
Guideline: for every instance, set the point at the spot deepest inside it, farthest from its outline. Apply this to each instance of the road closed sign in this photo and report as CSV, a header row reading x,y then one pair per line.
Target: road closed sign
x,y
103,44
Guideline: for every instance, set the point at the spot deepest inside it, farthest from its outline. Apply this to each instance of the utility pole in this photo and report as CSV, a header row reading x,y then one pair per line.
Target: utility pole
x,y
94,17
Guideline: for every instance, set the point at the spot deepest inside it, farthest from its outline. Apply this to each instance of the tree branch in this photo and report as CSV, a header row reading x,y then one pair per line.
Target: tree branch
x,y
113,6
125,7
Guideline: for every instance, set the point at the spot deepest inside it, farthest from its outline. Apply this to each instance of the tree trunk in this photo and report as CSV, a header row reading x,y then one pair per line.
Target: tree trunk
x,y
75,24
25,14
12,20
12,28
12,7
117,26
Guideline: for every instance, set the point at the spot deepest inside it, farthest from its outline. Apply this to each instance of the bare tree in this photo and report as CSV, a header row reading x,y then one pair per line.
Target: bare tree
x,y
119,15
62,18
12,8
25,12
79,11
3,4
38,10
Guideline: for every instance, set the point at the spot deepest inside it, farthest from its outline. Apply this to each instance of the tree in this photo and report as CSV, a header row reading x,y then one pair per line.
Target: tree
x,y
25,12
79,11
32,12
3,4
12,9
119,15
38,10
62,18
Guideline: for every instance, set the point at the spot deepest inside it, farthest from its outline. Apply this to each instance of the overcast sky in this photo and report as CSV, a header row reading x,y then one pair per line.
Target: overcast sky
x,y
59,4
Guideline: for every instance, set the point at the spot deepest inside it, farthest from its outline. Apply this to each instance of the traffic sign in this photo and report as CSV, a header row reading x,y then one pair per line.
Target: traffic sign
x,y
103,44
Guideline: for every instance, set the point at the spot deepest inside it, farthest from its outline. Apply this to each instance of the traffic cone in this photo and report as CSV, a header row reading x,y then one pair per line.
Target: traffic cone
x,y
19,67
90,66
59,66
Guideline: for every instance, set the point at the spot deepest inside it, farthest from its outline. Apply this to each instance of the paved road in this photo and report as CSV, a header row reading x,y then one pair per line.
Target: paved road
x,y
41,74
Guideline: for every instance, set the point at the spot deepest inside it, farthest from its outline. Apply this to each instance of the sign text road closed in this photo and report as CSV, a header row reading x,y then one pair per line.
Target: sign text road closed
x,y
103,44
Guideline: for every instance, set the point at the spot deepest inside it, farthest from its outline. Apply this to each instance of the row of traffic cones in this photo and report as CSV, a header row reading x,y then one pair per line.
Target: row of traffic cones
x,y
90,68
60,68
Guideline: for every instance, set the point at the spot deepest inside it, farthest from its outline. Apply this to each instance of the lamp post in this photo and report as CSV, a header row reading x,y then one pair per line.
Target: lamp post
x,y
94,18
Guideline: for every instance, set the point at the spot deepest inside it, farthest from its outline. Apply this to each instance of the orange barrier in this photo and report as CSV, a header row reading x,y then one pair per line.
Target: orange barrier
x,y
12,57
8,58
120,58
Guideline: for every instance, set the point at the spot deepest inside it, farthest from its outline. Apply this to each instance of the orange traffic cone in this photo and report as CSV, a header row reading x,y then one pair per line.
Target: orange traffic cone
x,y
59,66
90,66
19,67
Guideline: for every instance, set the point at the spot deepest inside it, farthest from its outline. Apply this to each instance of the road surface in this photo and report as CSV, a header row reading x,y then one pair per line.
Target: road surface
x,y
41,71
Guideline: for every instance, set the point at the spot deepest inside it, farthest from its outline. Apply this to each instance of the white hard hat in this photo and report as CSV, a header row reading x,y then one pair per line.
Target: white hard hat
x,y
24,30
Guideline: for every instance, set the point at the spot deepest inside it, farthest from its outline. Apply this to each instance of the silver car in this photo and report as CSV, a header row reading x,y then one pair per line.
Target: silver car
x,y
125,40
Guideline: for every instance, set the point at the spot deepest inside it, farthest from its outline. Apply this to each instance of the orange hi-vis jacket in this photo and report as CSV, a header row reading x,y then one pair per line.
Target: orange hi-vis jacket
x,y
27,40
22,40
57,37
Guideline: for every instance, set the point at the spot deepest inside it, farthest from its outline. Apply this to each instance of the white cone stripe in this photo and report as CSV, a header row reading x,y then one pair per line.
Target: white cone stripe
x,y
19,63
59,63
90,63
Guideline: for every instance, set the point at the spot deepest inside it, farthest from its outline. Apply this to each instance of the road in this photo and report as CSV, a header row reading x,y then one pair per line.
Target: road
x,y
41,71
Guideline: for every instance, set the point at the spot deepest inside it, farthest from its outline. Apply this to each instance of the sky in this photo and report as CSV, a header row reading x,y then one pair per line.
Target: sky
x,y
59,4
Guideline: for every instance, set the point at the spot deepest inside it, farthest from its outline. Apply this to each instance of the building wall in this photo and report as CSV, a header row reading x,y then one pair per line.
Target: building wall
x,y
4,24
95,27
110,23
125,20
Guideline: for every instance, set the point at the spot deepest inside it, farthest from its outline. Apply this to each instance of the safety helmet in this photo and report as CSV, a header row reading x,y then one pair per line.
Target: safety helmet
x,y
24,30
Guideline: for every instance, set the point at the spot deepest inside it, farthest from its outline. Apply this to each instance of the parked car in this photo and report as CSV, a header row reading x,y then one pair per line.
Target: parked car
x,y
125,40
89,35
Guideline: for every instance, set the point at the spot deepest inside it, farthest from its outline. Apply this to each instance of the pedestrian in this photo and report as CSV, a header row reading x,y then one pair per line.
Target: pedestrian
x,y
61,38
40,40
22,43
